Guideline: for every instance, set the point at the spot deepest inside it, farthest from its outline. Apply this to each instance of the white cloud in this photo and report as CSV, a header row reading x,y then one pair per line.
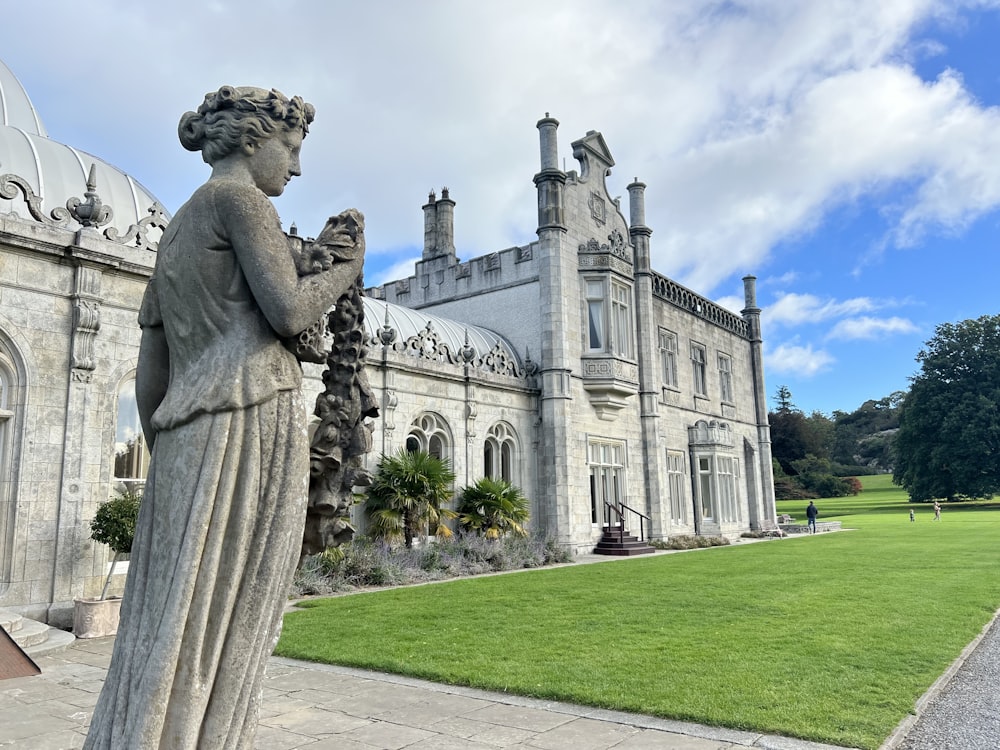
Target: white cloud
x,y
794,359
732,302
866,327
748,121
398,270
794,309
789,277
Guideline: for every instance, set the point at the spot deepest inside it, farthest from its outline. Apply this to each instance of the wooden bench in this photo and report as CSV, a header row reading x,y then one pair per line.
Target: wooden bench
x,y
785,518
770,529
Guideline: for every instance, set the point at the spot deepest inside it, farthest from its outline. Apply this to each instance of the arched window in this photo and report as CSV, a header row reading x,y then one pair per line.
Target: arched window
x,y
8,501
131,455
500,453
430,433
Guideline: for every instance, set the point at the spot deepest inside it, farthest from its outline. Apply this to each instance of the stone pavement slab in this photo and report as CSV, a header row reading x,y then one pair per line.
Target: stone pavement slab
x,y
321,707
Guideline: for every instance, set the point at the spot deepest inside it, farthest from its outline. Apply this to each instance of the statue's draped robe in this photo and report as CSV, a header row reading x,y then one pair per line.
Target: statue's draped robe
x,y
220,526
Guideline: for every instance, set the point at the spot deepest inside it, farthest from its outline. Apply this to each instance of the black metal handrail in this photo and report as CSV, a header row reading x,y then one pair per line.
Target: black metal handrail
x,y
619,510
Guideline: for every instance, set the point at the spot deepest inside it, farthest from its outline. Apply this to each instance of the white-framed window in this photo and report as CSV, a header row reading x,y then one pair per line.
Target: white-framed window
x,y
717,487
430,433
596,336
500,453
131,460
609,317
728,472
621,319
676,462
606,459
726,378
706,487
698,369
668,357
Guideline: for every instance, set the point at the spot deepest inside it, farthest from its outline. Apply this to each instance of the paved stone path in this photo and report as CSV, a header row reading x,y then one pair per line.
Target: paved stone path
x,y
962,710
332,708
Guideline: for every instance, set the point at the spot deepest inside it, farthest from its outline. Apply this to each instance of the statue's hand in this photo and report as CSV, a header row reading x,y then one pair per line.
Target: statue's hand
x,y
343,237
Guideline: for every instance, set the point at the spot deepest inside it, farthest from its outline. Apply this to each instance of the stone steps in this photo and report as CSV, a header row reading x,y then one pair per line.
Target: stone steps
x,y
35,638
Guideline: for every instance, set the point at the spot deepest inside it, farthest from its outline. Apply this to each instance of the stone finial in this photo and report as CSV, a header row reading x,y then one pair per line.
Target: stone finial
x,y
750,293
90,212
547,127
387,334
637,203
468,352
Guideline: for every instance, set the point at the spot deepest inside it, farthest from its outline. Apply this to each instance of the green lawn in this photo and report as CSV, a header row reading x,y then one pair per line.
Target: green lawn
x,y
830,638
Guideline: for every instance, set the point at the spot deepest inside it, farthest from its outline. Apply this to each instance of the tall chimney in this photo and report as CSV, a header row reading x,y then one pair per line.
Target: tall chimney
x,y
445,224
430,227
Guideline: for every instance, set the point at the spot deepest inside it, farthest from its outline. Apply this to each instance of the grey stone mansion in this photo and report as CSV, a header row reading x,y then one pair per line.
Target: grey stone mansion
x,y
608,392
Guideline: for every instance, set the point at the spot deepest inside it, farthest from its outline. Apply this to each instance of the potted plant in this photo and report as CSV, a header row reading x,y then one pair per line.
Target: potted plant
x,y
113,525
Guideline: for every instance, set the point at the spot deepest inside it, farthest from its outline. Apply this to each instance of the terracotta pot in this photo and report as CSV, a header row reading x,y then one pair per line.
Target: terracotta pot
x,y
96,618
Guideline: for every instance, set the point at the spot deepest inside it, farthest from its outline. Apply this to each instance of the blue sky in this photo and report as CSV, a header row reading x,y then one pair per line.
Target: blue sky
x,y
845,152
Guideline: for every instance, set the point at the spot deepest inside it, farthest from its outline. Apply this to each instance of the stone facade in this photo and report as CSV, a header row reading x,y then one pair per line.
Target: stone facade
x,y
69,342
567,365
648,394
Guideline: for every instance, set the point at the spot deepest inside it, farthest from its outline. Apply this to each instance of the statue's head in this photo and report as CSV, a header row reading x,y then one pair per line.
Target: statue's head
x,y
235,117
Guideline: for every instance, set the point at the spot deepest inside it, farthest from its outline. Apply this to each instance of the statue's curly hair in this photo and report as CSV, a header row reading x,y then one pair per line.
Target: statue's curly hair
x,y
235,115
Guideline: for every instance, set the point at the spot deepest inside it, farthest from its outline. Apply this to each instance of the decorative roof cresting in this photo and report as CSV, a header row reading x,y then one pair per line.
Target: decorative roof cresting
x,y
39,177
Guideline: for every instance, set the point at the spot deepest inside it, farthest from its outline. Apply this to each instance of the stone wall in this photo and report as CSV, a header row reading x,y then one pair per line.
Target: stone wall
x,y
69,339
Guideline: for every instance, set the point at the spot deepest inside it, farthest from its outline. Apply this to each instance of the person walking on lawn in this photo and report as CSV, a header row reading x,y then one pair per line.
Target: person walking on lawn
x,y
811,512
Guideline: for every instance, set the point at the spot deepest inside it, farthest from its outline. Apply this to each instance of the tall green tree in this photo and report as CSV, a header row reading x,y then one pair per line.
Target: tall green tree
x,y
407,497
948,443
794,435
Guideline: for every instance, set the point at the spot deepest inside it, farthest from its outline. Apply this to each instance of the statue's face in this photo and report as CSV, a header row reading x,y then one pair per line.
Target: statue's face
x,y
275,161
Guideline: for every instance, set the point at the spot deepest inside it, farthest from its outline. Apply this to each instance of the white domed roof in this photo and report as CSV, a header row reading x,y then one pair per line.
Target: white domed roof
x,y
16,109
410,325
56,172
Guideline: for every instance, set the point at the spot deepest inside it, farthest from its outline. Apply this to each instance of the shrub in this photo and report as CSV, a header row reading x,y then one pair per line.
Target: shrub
x,y
493,508
114,525
685,541
365,562
114,522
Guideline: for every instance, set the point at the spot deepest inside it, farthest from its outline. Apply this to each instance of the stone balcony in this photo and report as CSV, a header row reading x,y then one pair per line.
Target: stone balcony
x,y
610,382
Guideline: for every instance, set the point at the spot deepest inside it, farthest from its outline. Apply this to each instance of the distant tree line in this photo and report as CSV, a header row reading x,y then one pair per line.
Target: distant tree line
x,y
820,456
940,439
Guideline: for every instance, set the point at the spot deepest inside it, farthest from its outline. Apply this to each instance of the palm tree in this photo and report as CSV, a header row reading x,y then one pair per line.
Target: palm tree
x,y
493,507
407,495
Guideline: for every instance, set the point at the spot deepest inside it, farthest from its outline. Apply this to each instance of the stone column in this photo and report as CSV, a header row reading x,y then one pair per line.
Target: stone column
x,y
75,488
647,344
751,314
555,412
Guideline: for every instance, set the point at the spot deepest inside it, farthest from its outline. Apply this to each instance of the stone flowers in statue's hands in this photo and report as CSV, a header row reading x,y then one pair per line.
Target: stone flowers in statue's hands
x,y
342,239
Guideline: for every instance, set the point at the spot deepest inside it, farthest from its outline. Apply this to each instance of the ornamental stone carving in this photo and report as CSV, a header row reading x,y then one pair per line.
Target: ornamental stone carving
x,y
598,208
86,321
615,254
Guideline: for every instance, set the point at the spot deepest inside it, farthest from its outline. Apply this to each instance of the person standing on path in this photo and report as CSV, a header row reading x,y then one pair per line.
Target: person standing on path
x,y
811,512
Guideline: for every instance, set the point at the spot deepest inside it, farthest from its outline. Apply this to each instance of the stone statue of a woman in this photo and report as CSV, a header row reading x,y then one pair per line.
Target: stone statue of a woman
x,y
220,528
